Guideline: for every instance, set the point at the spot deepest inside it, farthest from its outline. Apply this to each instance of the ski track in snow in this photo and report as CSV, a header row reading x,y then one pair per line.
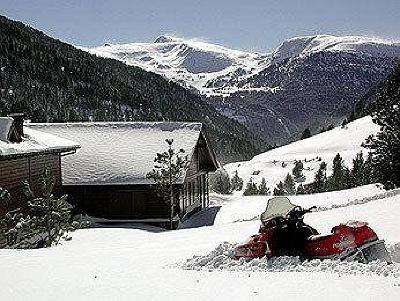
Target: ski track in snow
x,y
221,258
365,200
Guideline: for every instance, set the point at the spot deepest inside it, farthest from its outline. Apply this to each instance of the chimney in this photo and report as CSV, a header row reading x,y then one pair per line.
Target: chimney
x,y
18,123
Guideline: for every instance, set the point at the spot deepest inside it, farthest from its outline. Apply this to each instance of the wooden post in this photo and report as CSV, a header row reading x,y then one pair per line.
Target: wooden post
x,y
207,191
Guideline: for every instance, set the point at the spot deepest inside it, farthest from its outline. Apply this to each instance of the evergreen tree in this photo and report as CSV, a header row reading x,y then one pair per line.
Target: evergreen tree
x,y
306,134
298,171
220,182
340,175
168,169
236,182
279,190
385,145
251,188
300,189
4,198
262,188
369,176
320,181
357,173
289,186
46,221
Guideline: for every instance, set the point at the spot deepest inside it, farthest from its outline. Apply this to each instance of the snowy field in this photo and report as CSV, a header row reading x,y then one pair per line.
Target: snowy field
x,y
194,263
149,264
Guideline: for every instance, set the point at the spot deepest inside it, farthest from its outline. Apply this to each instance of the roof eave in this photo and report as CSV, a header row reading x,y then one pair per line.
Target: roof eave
x,y
39,152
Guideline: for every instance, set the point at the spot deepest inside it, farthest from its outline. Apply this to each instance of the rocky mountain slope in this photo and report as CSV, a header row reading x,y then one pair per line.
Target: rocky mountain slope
x,y
305,82
53,81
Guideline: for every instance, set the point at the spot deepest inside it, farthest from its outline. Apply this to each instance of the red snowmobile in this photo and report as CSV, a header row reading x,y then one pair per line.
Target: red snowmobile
x,y
283,233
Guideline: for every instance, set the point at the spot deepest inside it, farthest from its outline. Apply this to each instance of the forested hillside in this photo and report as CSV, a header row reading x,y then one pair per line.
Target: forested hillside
x,y
52,81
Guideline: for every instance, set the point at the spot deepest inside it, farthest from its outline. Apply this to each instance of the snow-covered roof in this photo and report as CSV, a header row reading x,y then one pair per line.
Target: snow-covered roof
x,y
34,142
119,152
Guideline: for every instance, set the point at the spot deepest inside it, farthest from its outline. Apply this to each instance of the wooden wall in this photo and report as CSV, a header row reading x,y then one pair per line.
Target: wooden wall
x,y
117,201
14,172
130,202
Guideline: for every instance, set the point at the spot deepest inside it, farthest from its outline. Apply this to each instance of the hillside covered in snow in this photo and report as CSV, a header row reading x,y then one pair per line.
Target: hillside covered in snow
x,y
306,81
275,164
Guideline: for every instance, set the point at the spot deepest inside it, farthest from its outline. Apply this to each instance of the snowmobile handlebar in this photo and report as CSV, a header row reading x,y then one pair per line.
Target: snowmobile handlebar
x,y
298,212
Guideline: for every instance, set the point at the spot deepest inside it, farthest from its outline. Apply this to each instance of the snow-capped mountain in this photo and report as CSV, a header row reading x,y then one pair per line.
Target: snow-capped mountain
x,y
214,70
192,63
305,82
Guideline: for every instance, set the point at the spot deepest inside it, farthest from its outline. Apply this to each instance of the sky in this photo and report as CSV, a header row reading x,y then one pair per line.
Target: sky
x,y
256,25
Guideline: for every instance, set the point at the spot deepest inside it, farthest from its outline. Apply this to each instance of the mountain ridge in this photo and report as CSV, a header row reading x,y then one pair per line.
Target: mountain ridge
x,y
53,81
171,56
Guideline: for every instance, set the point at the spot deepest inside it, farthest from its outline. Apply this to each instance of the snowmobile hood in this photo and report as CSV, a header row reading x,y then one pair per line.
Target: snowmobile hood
x,y
277,207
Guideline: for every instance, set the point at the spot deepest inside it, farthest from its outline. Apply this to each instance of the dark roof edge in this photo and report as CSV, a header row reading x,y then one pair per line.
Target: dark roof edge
x,y
39,152
209,149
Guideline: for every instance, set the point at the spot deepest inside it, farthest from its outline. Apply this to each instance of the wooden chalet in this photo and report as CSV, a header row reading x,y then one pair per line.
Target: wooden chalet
x,y
106,178
24,156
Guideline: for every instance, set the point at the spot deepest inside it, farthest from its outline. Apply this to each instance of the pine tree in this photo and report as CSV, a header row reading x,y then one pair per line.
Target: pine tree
x,y
168,169
220,182
279,190
340,175
300,189
306,134
369,176
262,188
47,220
236,182
298,171
385,145
357,172
320,181
50,215
289,186
251,188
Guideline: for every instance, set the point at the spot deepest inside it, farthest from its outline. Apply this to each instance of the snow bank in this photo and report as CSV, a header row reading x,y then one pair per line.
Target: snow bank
x,y
221,258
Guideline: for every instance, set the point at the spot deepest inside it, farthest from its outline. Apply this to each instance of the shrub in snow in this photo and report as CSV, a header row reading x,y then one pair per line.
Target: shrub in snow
x,y
169,168
46,220
236,182
220,182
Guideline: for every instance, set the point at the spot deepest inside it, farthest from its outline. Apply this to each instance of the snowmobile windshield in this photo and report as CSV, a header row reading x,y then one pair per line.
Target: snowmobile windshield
x,y
277,207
